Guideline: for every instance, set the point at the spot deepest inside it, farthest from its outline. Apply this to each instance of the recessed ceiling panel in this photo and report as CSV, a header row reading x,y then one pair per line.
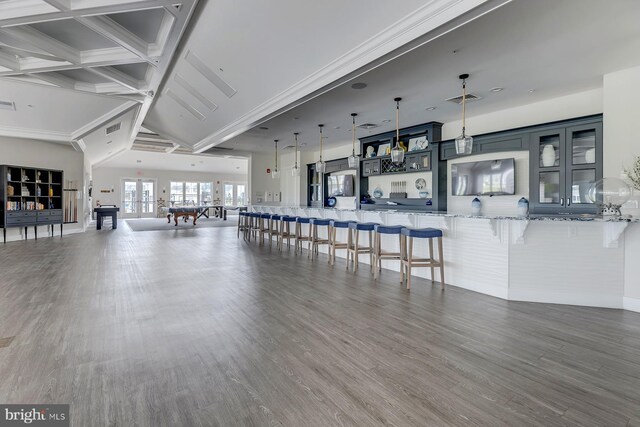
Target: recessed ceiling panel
x,y
137,71
143,23
74,34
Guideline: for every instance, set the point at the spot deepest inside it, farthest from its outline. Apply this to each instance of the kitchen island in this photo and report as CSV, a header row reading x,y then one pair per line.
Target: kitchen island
x,y
579,260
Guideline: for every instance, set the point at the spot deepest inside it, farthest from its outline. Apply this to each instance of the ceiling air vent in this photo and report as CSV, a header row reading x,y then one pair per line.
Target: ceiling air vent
x,y
7,105
367,126
114,128
458,99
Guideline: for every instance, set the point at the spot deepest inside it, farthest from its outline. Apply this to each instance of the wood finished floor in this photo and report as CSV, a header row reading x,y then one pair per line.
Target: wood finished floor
x,y
197,328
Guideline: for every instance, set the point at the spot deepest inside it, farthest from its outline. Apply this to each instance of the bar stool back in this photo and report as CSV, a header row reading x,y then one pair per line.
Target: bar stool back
x,y
379,254
301,237
316,240
354,248
333,240
408,261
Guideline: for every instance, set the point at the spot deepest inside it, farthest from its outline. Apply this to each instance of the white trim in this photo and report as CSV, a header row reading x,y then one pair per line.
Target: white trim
x,y
43,135
105,118
577,297
631,304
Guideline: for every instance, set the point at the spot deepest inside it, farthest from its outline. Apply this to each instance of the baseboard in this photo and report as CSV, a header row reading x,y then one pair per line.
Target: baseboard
x,y
566,297
631,304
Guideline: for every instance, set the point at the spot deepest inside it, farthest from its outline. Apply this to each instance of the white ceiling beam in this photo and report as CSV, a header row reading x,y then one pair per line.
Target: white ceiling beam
x,y
120,35
79,145
62,5
47,45
76,12
172,149
103,120
119,77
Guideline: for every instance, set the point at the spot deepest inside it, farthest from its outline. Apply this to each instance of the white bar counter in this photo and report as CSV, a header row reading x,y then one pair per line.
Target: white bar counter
x,y
561,259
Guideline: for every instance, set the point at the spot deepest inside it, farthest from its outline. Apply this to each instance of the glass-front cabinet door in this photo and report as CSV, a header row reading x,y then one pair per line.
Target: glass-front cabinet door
x,y
564,163
547,171
584,164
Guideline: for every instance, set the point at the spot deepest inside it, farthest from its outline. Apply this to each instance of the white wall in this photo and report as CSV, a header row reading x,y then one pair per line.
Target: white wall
x,y
622,112
550,110
110,178
46,155
262,182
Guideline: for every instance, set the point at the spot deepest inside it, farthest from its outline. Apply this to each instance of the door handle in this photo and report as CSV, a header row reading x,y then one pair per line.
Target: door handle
x,y
561,201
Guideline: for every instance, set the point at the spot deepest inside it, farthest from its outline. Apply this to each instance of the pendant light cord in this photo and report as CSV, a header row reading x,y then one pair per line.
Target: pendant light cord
x,y
320,126
464,105
397,123
296,153
353,135
276,144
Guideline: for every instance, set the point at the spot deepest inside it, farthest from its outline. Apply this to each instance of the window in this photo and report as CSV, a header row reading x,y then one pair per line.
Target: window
x,y
191,193
235,194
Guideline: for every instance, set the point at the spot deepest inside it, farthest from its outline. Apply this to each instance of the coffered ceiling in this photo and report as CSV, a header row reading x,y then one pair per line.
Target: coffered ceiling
x,y
89,62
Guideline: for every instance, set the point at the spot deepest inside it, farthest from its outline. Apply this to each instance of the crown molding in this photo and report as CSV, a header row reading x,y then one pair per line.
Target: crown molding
x,y
41,135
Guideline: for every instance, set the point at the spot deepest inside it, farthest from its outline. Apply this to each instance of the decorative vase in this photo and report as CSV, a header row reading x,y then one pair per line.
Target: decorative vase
x,y
10,190
590,155
476,205
523,207
548,156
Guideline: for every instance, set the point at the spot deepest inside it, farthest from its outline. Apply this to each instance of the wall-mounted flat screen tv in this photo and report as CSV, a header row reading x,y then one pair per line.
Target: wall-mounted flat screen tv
x,y
340,185
487,177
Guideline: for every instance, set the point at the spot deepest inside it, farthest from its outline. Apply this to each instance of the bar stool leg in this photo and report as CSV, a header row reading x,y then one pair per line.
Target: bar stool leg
x,y
441,261
409,261
356,253
371,250
376,257
332,245
313,231
401,256
431,260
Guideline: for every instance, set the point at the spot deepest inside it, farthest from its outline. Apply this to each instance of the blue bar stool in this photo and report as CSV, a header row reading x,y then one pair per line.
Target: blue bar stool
x,y
285,230
354,248
316,240
334,225
300,236
408,261
263,229
254,225
378,254
243,222
274,229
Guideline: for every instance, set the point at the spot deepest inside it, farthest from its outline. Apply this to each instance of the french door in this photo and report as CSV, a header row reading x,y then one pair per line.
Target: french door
x,y
138,198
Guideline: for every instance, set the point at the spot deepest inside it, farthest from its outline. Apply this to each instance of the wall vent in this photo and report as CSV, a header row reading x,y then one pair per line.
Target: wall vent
x,y
114,128
368,126
458,99
7,105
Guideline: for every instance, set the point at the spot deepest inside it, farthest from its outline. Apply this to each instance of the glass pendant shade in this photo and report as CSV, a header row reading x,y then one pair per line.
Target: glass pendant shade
x,y
397,152
464,143
295,171
353,161
275,173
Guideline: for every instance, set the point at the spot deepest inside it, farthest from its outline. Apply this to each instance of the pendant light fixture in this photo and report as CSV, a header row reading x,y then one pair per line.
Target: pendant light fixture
x,y
353,159
295,171
464,143
397,153
320,163
274,172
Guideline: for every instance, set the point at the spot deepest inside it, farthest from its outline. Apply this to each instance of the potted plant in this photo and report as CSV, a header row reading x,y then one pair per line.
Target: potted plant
x,y
634,174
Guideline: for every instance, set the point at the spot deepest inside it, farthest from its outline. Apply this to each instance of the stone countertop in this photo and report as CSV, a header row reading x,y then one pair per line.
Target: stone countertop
x,y
532,217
